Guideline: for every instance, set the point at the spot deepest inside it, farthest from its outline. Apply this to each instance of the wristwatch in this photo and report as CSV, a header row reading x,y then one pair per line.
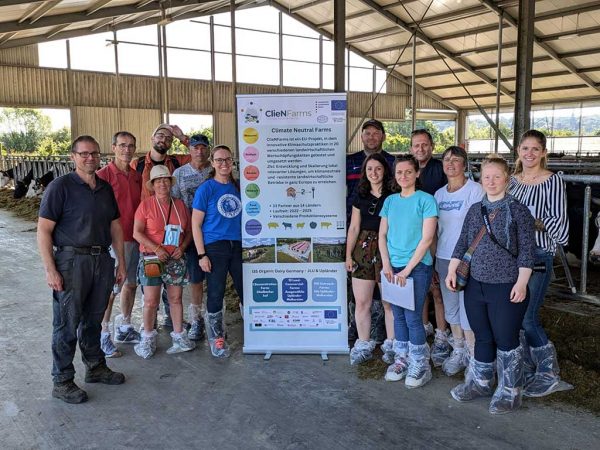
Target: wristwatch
x,y
201,255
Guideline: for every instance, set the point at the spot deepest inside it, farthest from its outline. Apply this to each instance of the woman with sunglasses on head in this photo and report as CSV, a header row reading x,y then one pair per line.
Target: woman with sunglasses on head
x,y
407,230
217,230
454,200
544,193
362,255
500,228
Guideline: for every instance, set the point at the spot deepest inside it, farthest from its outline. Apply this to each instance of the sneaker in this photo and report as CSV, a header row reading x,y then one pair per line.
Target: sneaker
x,y
397,370
219,348
196,332
181,343
361,352
102,374
388,351
419,370
428,329
69,392
128,337
107,346
455,362
440,351
147,346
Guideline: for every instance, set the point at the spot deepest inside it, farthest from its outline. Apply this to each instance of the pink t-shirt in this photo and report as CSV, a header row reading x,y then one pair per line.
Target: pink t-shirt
x,y
154,220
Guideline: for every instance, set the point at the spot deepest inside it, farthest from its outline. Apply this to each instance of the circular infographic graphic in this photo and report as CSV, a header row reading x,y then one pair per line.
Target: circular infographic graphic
x,y
252,190
253,208
253,227
251,154
251,173
250,135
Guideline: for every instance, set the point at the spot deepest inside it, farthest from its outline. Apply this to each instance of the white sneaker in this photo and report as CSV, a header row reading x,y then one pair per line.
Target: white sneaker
x,y
397,371
181,343
147,347
107,346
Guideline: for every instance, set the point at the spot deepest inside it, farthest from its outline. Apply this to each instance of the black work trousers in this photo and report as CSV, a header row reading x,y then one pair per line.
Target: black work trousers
x,y
78,310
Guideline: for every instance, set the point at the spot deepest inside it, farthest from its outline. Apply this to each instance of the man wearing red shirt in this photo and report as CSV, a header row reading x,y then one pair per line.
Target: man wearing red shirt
x,y
127,186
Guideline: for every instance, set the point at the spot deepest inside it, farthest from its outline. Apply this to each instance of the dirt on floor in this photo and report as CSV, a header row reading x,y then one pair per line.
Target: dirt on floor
x,y
573,326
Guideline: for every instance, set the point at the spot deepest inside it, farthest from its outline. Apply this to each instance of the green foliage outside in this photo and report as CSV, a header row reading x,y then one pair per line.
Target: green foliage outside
x,y
26,130
178,147
398,135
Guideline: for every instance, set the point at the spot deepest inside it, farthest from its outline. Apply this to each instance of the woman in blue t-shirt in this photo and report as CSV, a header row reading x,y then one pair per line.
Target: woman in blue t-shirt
x,y
217,230
407,229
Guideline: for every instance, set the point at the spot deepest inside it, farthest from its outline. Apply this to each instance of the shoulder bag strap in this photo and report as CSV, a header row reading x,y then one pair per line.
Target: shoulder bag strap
x,y
487,222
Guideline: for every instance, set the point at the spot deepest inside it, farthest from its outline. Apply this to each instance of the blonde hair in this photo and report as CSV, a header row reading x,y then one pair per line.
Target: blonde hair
x,y
541,138
495,158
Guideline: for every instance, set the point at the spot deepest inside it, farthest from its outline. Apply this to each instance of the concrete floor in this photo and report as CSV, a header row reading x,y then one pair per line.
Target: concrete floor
x,y
193,401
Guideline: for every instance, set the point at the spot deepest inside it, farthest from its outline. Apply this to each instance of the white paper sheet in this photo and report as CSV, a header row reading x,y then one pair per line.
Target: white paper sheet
x,y
398,295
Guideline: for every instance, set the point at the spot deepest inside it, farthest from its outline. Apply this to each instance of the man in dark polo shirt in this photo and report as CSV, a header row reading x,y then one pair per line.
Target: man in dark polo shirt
x,y
432,177
78,220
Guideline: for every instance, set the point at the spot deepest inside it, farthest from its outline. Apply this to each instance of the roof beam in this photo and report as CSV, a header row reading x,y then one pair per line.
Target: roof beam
x,y
373,34
103,13
308,5
54,31
42,10
587,52
569,11
568,34
549,50
458,14
97,6
15,2
505,80
439,48
7,37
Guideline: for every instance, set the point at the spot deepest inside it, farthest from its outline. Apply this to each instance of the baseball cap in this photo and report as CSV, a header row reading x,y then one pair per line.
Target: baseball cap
x,y
163,126
159,171
198,139
374,123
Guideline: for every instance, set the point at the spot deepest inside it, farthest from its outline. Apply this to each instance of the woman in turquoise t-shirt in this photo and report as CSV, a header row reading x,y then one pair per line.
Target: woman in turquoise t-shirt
x,y
407,229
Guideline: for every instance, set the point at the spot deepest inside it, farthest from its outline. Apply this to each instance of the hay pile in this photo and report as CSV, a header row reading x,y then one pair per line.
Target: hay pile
x,y
25,208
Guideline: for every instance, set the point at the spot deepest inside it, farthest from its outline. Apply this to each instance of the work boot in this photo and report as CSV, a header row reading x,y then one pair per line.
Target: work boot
x,y
479,379
361,352
546,379
508,395
102,374
397,370
419,369
388,351
216,335
456,361
69,392
441,348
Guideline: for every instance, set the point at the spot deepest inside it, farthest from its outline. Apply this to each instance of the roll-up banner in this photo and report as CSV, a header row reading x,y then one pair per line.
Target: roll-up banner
x,y
292,174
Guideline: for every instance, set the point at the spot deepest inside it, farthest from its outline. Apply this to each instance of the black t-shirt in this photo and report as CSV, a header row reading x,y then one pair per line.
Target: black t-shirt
x,y
370,207
432,176
82,215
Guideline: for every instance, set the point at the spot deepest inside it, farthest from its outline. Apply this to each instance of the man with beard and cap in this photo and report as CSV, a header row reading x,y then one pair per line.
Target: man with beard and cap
x,y
162,139
372,137
432,177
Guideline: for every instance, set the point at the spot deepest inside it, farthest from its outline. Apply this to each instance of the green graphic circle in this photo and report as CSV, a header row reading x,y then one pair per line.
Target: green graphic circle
x,y
252,190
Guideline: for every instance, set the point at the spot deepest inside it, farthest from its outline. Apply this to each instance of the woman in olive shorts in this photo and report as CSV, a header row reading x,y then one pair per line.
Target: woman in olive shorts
x,y
362,255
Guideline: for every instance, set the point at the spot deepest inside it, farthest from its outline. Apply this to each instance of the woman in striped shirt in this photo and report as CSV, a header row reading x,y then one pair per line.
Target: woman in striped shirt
x,y
543,192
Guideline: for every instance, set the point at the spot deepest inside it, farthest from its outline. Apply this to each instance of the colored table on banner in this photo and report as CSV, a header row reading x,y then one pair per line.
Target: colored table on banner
x,y
292,171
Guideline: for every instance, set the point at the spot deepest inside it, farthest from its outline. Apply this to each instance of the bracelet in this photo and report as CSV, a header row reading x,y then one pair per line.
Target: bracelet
x,y
157,247
201,255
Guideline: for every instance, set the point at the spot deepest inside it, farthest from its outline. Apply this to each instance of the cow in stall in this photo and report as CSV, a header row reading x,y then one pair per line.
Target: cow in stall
x,y
575,211
6,177
37,185
22,186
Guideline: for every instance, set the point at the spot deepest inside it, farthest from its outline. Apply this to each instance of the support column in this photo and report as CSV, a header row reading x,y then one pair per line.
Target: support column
x,y
234,75
120,125
525,32
461,127
413,85
498,79
339,41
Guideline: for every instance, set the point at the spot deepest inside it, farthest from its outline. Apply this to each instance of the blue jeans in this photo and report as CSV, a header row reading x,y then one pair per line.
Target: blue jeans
x,y
495,320
538,285
408,325
225,257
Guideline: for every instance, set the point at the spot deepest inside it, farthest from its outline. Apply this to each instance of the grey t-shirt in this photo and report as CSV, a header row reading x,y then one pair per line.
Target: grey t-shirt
x,y
187,181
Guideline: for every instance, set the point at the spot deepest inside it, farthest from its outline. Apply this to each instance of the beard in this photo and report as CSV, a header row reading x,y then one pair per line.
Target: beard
x,y
160,149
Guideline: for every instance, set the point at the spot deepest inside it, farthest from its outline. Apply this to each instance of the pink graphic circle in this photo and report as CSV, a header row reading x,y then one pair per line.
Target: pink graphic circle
x,y
251,154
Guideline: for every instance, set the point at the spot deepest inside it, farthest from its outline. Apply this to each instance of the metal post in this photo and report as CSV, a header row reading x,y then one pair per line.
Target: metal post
x,y
580,139
525,32
374,91
213,76
586,235
118,82
234,74
160,74
280,51
320,63
339,41
166,74
498,78
71,93
413,85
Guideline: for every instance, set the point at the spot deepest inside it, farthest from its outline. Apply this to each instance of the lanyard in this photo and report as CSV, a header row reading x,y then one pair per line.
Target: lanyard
x,y
168,217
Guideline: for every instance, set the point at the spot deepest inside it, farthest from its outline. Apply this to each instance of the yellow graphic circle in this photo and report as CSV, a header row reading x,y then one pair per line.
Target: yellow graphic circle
x,y
250,135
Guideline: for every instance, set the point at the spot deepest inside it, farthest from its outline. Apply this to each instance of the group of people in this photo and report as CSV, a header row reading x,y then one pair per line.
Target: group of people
x,y
504,230
161,221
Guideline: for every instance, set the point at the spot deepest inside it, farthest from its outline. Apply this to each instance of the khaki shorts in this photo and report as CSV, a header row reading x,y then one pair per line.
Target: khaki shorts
x,y
132,256
366,257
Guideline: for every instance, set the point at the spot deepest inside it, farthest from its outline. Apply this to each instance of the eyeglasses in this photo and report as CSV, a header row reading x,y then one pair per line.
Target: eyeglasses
x,y
126,146
86,155
452,160
220,161
166,137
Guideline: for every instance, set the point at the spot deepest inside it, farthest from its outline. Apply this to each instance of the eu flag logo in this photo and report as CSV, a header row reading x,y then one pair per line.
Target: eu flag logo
x,y
338,105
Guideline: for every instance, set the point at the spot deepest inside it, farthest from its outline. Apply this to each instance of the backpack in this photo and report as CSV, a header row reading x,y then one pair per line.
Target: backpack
x,y
141,163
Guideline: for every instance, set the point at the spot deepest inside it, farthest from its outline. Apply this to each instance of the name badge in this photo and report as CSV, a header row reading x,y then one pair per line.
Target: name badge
x,y
172,233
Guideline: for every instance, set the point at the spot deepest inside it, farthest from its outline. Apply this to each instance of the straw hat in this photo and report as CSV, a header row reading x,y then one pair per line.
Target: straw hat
x,y
159,171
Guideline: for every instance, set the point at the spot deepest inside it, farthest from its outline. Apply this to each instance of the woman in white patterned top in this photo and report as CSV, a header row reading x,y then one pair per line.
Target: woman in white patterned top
x,y
543,192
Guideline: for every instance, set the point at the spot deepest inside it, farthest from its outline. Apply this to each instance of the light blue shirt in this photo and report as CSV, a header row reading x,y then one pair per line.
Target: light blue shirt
x,y
405,216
